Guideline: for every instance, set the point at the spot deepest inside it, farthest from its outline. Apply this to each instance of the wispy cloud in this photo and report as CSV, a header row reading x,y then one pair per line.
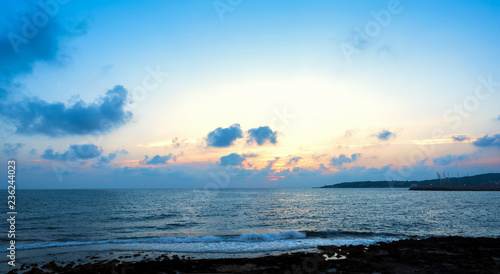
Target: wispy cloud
x,y
449,159
11,149
293,160
102,161
349,133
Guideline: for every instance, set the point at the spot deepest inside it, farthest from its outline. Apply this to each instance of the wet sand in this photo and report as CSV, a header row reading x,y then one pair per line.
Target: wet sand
x,y
432,255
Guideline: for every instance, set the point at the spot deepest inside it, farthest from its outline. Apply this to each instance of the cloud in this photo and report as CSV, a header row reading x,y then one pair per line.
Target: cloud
x,y
224,137
157,159
349,133
176,142
148,171
498,118
320,157
11,149
448,159
293,160
460,138
270,164
487,141
104,160
34,116
232,159
385,135
343,159
249,155
33,152
75,152
261,135
24,43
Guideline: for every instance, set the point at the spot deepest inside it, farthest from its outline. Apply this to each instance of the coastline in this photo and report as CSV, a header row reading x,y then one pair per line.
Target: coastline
x,y
458,188
451,254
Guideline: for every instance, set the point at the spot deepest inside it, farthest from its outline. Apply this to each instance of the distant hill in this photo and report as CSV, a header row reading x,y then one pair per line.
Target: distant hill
x,y
482,179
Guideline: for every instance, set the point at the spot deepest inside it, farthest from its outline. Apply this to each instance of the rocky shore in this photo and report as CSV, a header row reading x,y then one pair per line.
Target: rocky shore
x,y
431,255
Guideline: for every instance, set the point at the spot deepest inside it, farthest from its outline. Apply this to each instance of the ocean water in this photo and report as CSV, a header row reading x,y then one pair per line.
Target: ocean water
x,y
67,224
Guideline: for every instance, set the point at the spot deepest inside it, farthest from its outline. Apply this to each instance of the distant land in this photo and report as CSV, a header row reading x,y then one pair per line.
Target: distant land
x,y
476,180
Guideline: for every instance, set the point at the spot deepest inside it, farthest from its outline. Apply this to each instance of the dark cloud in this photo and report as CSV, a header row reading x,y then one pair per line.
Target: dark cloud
x,y
293,160
157,159
261,135
75,152
29,37
104,160
11,149
249,155
232,159
448,159
487,141
460,138
33,152
26,40
498,118
343,159
224,137
34,116
385,135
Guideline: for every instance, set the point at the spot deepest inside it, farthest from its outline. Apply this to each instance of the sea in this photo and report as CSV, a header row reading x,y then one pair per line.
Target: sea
x,y
66,225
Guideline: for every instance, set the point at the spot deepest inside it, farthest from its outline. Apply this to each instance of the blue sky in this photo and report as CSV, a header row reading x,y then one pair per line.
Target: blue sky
x,y
217,94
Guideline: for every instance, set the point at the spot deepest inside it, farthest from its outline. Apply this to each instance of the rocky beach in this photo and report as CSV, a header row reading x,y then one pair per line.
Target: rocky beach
x,y
432,255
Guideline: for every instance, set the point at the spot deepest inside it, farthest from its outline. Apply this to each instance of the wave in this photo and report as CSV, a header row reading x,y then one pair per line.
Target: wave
x,y
254,237
243,243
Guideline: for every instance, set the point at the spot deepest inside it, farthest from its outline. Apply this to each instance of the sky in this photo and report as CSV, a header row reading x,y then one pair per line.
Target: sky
x,y
237,94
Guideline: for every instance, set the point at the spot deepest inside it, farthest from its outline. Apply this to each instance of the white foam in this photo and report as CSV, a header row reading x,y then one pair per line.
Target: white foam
x,y
244,243
260,237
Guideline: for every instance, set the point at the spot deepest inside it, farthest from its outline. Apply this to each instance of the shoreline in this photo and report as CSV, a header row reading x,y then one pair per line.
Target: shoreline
x,y
458,188
451,254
